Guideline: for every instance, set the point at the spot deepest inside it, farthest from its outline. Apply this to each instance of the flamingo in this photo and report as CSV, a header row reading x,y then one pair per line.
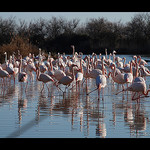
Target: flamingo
x,y
3,74
30,67
59,74
141,61
122,78
22,76
4,65
44,78
79,75
129,76
10,70
67,80
101,81
137,87
143,72
50,69
119,78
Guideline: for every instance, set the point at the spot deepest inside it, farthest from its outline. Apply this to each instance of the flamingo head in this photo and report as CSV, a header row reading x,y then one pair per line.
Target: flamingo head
x,y
139,56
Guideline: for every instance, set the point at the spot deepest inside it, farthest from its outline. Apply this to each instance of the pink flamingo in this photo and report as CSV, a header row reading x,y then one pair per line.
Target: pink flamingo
x,y
67,80
44,78
138,86
122,78
3,74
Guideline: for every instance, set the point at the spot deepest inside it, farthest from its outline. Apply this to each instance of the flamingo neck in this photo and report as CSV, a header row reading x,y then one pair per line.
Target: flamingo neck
x,y
20,65
5,57
131,67
146,93
103,67
139,60
72,73
124,60
136,70
51,65
114,70
106,53
38,73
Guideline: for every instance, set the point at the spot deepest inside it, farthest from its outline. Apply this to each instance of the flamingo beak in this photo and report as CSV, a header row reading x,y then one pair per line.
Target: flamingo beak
x,y
127,80
52,80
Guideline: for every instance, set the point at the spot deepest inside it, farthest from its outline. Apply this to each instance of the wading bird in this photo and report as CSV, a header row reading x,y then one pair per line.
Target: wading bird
x,y
101,81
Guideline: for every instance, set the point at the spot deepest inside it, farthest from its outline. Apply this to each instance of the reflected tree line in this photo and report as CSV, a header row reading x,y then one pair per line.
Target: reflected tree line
x,y
57,34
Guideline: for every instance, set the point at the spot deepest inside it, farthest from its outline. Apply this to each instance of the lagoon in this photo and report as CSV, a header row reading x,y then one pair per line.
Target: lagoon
x,y
73,115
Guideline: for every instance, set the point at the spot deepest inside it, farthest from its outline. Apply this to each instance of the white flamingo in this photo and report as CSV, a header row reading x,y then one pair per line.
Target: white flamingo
x,y
79,74
101,81
22,76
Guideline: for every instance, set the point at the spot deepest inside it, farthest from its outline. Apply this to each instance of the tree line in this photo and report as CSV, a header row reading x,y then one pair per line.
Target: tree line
x,y
57,34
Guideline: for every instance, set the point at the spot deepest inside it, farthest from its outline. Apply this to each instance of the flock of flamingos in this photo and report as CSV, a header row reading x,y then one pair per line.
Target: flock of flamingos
x,y
73,71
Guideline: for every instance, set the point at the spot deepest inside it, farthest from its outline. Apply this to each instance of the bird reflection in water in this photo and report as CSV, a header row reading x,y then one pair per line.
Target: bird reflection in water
x,y
22,102
138,125
101,126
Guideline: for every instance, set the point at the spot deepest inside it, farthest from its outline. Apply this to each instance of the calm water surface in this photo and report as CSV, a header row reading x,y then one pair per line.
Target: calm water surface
x,y
51,115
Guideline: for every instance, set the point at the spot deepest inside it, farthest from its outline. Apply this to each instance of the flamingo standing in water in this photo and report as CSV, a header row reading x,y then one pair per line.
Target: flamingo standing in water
x,y
79,75
3,74
138,86
67,80
22,76
122,78
44,78
101,81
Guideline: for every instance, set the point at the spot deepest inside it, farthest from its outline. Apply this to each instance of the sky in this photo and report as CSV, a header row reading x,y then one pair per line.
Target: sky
x,y
83,16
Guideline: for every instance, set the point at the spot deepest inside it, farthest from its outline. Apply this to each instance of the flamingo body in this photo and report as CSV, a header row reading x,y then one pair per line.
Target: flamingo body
x,y
79,76
58,74
137,87
66,80
45,78
3,73
22,77
101,79
94,73
128,77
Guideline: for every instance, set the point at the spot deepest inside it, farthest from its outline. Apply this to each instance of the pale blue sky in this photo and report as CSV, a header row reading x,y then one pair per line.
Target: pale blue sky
x,y
83,16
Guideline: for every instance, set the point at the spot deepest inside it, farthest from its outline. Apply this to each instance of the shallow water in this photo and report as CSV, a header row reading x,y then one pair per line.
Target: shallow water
x,y
73,115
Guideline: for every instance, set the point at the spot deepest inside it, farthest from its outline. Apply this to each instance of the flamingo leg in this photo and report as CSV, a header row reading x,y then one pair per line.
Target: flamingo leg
x,y
58,87
136,98
99,89
14,77
92,91
42,87
120,92
26,86
79,86
83,82
47,87
76,86
72,87
98,94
